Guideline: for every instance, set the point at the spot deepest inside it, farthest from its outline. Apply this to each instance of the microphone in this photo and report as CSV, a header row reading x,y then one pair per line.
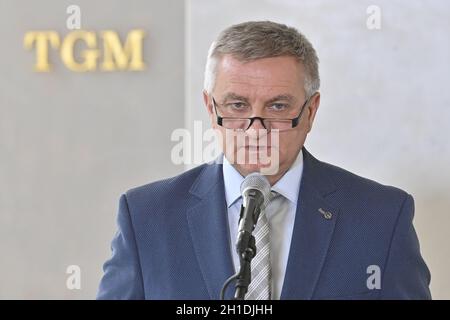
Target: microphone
x,y
255,191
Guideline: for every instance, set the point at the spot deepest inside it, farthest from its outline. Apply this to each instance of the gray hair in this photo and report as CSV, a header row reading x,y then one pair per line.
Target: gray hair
x,y
254,40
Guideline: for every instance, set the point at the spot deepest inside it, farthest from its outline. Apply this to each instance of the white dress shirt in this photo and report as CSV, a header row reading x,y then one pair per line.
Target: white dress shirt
x,y
280,214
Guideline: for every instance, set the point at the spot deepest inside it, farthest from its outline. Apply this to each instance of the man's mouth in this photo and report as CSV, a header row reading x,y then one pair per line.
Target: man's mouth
x,y
256,148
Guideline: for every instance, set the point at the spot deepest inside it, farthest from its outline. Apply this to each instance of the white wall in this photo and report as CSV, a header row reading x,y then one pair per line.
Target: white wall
x,y
385,102
71,143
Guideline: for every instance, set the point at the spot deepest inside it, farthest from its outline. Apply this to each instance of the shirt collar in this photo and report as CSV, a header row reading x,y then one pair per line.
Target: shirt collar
x,y
232,180
288,186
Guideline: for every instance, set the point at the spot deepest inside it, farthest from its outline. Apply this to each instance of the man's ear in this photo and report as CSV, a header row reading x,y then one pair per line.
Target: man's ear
x,y
313,107
207,102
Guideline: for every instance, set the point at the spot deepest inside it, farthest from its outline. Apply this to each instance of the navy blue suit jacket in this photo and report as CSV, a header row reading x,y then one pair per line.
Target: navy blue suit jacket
x,y
173,240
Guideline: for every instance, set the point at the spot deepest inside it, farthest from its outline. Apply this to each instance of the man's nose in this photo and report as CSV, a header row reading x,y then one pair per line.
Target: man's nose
x,y
257,124
256,131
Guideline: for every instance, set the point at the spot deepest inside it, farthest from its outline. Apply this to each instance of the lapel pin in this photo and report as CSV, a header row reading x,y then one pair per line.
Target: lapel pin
x,y
326,214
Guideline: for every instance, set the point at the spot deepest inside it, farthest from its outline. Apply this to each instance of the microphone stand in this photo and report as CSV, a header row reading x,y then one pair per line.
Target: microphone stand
x,y
246,250
246,254
245,246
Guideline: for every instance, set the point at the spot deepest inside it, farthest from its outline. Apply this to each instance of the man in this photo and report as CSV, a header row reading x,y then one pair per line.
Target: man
x,y
329,234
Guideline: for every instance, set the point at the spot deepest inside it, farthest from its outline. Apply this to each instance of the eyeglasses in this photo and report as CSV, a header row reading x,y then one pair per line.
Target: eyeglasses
x,y
268,123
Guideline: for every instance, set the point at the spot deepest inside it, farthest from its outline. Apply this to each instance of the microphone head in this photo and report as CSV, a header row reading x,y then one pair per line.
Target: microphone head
x,y
256,181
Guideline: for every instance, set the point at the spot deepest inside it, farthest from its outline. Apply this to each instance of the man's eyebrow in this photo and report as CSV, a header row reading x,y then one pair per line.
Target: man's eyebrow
x,y
280,97
234,96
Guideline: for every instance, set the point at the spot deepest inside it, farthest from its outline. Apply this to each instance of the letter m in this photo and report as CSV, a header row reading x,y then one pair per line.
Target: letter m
x,y
116,56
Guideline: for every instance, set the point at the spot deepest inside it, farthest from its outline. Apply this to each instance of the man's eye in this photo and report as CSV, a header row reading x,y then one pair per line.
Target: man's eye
x,y
278,107
237,106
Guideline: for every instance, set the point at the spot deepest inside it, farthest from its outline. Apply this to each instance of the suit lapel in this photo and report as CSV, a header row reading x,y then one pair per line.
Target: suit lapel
x,y
210,238
313,229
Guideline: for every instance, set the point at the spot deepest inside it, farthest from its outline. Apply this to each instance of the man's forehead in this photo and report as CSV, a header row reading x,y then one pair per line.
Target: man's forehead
x,y
278,73
281,64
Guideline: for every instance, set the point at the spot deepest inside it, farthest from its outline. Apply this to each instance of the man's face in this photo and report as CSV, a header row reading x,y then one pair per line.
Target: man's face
x,y
266,88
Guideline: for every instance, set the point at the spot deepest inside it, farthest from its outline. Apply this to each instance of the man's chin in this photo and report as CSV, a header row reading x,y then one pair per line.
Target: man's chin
x,y
248,168
248,160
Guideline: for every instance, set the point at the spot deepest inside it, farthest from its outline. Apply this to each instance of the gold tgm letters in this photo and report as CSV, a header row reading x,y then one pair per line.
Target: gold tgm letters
x,y
127,57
